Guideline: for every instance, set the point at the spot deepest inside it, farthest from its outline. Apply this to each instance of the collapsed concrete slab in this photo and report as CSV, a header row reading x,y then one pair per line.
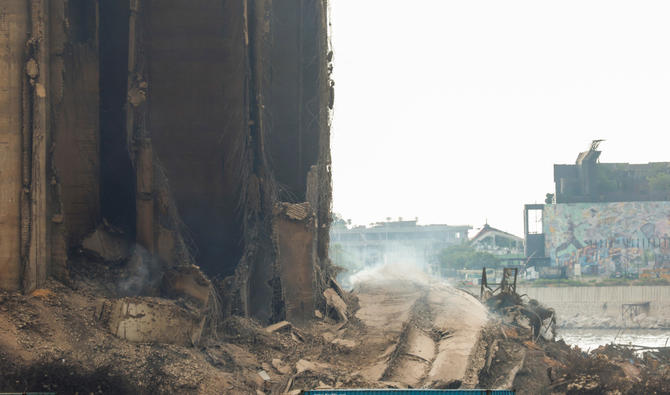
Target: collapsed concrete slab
x,y
426,335
106,245
335,305
152,320
187,281
295,238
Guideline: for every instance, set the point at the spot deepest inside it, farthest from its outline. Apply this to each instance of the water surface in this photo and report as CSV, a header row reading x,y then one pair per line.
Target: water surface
x,y
590,339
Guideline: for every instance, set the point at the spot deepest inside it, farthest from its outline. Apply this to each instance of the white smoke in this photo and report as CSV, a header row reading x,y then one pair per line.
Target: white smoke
x,y
142,274
390,272
398,262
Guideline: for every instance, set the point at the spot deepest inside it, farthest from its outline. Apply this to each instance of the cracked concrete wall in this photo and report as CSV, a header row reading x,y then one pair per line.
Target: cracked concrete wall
x,y
75,133
295,239
196,106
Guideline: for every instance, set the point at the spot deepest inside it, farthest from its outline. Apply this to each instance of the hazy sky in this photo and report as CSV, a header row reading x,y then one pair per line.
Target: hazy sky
x,y
455,111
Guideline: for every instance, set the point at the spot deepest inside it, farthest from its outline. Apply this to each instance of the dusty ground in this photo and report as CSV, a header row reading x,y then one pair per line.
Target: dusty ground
x,y
402,334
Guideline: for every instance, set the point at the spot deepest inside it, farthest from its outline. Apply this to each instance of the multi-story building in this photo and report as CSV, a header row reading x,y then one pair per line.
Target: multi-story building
x,y
400,241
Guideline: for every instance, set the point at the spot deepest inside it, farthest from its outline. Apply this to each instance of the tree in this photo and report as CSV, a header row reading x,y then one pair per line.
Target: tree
x,y
464,256
659,183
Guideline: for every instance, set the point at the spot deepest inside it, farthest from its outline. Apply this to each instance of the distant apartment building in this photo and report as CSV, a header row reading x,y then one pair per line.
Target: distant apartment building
x,y
403,242
604,218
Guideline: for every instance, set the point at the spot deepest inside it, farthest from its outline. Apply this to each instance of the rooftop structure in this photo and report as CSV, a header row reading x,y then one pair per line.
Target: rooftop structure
x,y
588,180
605,218
497,242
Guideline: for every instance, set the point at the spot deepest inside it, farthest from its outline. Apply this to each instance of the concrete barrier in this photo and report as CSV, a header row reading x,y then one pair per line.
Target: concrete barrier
x,y
603,307
601,301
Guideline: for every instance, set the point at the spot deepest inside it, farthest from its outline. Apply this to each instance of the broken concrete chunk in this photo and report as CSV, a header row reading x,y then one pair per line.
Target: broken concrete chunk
x,y
328,336
304,365
264,375
334,302
318,314
280,366
152,320
295,236
336,286
106,245
296,211
344,344
278,327
187,281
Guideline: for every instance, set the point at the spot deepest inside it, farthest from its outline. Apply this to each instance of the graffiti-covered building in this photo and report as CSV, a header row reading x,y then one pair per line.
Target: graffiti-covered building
x,y
605,218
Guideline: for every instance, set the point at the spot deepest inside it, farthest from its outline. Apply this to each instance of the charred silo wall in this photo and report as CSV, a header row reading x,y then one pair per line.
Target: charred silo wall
x,y
190,127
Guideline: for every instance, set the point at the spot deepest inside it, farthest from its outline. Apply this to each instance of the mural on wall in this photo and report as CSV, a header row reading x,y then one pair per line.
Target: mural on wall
x,y
623,238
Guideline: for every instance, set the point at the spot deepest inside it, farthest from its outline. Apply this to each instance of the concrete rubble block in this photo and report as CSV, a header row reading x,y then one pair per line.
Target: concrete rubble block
x,y
294,232
281,326
344,344
304,365
280,366
335,303
145,319
336,286
107,245
264,375
187,281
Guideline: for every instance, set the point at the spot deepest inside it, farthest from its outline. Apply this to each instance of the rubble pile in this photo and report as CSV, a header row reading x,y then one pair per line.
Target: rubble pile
x,y
86,336
520,355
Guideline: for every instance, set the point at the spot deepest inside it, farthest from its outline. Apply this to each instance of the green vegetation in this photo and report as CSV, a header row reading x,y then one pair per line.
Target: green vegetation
x,y
558,282
659,182
606,179
464,256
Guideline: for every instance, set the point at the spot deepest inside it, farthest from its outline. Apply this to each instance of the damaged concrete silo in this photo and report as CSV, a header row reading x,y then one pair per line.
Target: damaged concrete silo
x,y
199,130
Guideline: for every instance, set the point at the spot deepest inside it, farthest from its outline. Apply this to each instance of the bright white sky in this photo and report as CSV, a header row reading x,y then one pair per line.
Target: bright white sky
x,y
455,111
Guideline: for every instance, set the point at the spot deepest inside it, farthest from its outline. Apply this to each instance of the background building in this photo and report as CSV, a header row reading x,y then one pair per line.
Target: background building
x,y
402,242
610,218
497,242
